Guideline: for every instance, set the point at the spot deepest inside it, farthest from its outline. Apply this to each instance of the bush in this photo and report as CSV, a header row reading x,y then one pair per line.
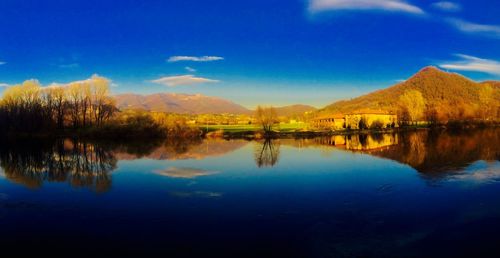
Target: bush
x,y
378,124
362,124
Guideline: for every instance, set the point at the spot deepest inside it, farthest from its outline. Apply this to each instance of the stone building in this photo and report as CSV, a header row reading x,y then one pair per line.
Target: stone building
x,y
370,118
363,118
330,122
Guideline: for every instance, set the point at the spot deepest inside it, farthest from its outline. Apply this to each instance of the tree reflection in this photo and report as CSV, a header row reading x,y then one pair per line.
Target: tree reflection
x,y
81,164
436,153
433,153
266,154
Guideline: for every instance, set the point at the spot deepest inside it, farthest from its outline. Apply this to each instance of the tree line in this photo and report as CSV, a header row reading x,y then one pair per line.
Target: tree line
x,y
29,107
413,107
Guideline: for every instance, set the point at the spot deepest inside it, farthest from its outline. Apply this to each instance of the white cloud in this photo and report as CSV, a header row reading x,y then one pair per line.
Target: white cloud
x,y
4,85
172,81
194,58
473,64
447,6
2,62
190,69
383,5
470,27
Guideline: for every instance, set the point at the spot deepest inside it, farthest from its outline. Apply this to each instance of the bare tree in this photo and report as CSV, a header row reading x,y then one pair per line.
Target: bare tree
x,y
267,118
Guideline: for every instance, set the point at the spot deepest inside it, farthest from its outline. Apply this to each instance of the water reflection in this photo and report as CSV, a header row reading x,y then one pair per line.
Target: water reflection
x,y
435,154
181,149
266,153
81,164
187,173
360,142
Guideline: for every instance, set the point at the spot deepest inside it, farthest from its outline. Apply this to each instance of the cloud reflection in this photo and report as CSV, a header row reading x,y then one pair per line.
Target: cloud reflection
x,y
176,172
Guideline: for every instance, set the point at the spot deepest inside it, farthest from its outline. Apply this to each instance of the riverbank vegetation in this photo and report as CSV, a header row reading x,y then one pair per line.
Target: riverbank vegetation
x,y
431,98
83,108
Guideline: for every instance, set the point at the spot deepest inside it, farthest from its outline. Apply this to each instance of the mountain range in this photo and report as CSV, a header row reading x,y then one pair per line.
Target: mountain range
x,y
195,104
444,91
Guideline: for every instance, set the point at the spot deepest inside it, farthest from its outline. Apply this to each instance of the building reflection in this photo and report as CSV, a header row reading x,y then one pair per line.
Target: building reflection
x,y
360,142
433,153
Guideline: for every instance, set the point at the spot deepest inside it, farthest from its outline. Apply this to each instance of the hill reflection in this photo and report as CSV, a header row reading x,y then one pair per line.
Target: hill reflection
x,y
89,164
432,153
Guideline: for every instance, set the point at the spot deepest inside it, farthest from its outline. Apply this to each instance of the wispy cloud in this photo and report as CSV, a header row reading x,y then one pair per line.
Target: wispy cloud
x,y
475,28
447,6
72,65
172,81
381,5
194,58
2,62
190,69
4,85
474,64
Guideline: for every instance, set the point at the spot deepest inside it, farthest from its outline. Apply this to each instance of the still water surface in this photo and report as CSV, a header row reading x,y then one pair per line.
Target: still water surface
x,y
415,194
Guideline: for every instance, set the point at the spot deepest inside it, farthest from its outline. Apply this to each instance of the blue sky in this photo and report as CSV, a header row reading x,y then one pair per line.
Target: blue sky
x,y
252,52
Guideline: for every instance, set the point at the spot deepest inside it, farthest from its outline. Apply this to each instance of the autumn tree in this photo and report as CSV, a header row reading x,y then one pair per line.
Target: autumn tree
x,y
413,104
487,104
30,107
60,104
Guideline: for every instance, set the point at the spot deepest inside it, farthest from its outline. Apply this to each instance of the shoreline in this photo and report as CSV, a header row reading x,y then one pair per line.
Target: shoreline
x,y
220,134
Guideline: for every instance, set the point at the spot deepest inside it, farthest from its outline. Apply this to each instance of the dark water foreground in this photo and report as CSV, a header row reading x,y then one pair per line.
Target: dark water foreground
x,y
413,194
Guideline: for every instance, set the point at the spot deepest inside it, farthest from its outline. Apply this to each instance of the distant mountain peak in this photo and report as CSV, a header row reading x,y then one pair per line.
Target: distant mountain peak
x,y
444,91
430,68
180,103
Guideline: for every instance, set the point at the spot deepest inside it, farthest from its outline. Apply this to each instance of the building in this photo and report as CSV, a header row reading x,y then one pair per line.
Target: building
x,y
366,118
369,118
331,122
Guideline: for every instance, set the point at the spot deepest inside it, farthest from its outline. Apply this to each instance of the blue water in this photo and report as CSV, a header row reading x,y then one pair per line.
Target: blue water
x,y
425,196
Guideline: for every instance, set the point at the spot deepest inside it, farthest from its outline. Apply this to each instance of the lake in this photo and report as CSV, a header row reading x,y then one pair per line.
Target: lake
x,y
413,194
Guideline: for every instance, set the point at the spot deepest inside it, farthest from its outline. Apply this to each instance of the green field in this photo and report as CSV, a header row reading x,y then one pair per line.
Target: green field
x,y
246,128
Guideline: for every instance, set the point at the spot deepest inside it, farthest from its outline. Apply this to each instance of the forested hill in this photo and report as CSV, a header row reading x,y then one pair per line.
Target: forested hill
x,y
450,94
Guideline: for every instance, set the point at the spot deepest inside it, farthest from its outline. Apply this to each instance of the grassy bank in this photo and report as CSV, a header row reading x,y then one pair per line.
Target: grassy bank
x,y
301,130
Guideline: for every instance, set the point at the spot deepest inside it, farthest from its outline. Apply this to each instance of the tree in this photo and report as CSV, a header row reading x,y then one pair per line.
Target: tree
x,y
362,125
267,118
29,107
412,102
75,95
431,115
486,102
60,104
100,99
